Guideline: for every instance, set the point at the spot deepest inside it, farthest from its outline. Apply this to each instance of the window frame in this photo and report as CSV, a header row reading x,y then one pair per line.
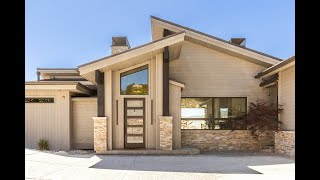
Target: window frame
x,y
134,70
213,118
51,100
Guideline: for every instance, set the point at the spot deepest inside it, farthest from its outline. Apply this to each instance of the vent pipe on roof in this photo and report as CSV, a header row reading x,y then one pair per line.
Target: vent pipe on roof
x,y
119,44
239,41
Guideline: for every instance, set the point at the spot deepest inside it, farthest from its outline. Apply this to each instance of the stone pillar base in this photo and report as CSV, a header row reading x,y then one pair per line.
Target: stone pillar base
x,y
285,143
165,132
100,134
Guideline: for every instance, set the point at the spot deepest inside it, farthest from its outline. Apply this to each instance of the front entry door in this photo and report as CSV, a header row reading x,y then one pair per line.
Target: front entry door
x,y
134,118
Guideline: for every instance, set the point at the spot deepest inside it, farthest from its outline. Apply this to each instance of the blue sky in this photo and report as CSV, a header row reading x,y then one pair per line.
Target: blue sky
x,y
65,34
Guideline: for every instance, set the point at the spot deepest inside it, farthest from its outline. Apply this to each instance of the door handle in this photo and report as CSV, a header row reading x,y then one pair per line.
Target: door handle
x,y
117,111
151,111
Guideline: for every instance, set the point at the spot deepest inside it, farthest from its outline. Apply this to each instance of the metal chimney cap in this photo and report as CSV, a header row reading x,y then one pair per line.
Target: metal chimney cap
x,y
238,41
120,41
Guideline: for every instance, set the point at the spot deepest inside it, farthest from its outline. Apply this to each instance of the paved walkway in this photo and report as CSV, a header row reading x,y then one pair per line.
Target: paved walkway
x,y
40,165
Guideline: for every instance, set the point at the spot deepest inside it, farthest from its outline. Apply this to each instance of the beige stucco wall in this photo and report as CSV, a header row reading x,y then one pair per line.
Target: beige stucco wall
x,y
210,73
175,112
50,121
287,98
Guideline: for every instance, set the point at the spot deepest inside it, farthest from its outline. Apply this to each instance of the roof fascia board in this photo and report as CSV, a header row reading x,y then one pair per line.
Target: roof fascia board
x,y
230,47
274,69
50,87
70,86
57,70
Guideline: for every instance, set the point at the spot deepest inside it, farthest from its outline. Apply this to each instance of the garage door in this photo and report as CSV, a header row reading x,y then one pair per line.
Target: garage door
x,y
83,109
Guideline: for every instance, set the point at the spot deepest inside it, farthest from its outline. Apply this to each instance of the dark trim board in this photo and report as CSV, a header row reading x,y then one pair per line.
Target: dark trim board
x,y
273,79
100,92
166,81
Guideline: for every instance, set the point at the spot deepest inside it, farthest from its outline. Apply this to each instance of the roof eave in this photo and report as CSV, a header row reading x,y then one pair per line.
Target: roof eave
x,y
68,86
225,44
133,52
276,68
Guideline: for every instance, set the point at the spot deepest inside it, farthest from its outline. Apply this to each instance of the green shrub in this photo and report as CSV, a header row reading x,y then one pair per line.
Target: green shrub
x,y
43,144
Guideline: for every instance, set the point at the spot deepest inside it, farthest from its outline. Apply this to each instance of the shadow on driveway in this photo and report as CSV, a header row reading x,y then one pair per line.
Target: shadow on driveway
x,y
226,164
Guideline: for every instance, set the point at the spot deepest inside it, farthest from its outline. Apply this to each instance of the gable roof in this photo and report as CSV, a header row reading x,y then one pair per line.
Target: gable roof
x,y
126,55
62,73
218,41
276,68
160,43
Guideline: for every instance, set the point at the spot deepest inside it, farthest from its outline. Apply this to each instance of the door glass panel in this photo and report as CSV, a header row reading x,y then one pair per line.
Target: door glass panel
x,y
134,112
134,126
135,139
135,130
134,103
135,121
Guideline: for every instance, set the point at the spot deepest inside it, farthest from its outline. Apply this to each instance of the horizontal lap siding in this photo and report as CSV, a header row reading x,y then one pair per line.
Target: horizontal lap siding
x,y
209,73
287,116
50,121
82,123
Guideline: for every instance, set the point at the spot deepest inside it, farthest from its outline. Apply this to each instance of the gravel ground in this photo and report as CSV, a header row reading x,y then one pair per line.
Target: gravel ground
x,y
71,152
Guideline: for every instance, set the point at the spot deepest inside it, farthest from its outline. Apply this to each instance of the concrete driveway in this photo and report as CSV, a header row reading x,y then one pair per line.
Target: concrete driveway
x,y
40,165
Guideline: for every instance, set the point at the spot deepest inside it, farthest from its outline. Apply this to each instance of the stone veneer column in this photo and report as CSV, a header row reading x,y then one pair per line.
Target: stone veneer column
x,y
285,142
100,134
165,132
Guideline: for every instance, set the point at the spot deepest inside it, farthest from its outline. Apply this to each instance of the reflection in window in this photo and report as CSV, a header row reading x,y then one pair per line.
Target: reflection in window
x,y
194,124
196,113
211,113
135,81
224,112
229,107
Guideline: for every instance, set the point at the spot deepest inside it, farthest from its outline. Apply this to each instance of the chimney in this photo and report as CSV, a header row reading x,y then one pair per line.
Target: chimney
x,y
239,41
119,44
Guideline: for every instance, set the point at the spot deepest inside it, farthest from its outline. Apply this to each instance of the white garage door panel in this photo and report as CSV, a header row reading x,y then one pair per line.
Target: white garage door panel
x,y
83,110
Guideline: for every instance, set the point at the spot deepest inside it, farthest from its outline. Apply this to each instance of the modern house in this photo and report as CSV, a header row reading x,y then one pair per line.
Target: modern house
x,y
179,90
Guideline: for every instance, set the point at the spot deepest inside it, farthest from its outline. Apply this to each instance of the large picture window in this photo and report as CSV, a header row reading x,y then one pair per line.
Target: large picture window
x,y
211,113
135,81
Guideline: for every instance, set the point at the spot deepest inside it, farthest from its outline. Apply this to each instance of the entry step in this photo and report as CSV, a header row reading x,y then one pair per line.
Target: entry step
x,y
182,151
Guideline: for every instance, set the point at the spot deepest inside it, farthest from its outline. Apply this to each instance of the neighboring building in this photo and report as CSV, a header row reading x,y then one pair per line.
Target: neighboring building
x,y
179,90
